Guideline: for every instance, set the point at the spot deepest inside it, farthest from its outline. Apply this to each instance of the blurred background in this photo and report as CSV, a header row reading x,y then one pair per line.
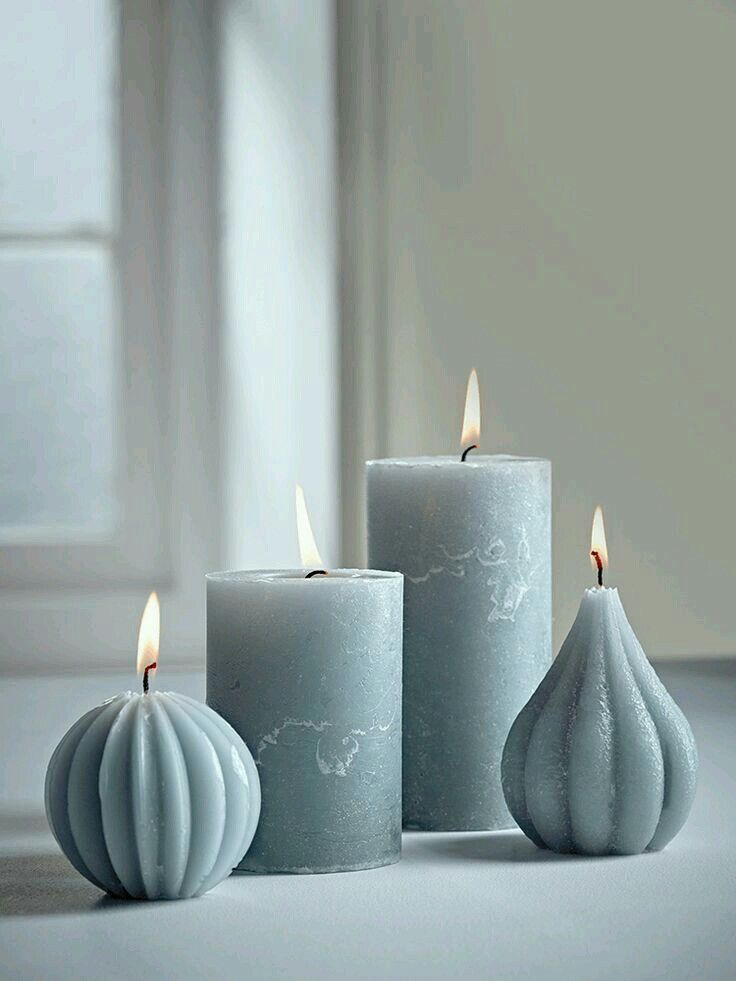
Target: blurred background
x,y
250,242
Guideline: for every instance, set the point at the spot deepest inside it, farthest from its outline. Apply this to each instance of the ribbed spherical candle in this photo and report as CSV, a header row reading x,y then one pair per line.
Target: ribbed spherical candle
x,y
153,796
601,761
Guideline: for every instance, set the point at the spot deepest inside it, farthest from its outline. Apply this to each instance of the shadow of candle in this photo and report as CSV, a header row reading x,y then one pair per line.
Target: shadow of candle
x,y
492,846
44,884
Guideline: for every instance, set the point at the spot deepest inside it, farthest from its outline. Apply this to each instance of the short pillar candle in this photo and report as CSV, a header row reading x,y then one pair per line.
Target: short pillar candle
x,y
306,666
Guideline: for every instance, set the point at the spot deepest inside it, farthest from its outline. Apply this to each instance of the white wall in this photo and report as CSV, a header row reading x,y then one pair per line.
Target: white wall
x,y
558,209
279,420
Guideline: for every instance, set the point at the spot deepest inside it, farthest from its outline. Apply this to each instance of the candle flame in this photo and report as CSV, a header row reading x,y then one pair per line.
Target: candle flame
x,y
598,540
310,556
471,419
148,635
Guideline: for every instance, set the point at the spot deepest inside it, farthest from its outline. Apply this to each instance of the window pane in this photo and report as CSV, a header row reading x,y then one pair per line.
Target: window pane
x,y
58,92
57,390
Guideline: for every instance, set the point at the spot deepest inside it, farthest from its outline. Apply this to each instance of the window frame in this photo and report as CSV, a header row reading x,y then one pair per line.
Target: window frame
x,y
138,549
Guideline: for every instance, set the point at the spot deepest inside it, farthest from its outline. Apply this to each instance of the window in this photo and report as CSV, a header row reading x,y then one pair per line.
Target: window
x,y
81,345
193,257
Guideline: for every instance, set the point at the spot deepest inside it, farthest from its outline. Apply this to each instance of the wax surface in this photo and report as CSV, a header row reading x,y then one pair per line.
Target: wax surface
x,y
152,796
308,671
601,760
473,541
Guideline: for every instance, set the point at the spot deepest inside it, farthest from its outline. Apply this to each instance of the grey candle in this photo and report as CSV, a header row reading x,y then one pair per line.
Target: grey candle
x,y
473,541
600,761
308,672
152,796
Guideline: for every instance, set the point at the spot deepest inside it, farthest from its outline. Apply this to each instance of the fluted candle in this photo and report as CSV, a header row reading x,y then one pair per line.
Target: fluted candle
x,y
600,761
153,795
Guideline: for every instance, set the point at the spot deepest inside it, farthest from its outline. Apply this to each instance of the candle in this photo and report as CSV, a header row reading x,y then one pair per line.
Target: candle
x,y
152,796
471,534
600,761
306,665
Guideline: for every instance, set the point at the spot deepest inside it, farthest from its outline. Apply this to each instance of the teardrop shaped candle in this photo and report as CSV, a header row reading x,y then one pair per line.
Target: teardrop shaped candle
x,y
600,761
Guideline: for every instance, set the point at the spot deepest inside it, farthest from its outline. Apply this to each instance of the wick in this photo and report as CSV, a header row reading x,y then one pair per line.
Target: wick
x,y
316,572
598,562
149,667
473,446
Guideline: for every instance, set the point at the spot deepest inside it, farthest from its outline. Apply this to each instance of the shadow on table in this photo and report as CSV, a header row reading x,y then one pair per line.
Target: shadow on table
x,y
44,885
35,878
490,846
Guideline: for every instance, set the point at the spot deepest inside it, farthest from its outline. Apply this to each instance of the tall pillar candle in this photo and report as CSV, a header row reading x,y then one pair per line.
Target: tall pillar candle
x,y
308,671
471,534
473,542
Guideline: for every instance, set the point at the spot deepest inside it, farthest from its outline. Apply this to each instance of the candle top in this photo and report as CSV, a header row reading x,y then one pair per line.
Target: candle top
x,y
601,597
300,575
474,460
595,591
149,698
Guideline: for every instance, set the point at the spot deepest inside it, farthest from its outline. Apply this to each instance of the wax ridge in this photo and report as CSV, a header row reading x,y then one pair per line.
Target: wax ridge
x,y
153,796
600,760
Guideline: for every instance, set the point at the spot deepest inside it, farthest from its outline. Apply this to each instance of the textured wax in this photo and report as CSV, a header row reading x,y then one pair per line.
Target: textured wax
x,y
308,671
153,796
473,541
601,761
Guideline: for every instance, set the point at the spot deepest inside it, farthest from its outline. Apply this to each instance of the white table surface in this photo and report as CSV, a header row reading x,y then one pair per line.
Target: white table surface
x,y
457,906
